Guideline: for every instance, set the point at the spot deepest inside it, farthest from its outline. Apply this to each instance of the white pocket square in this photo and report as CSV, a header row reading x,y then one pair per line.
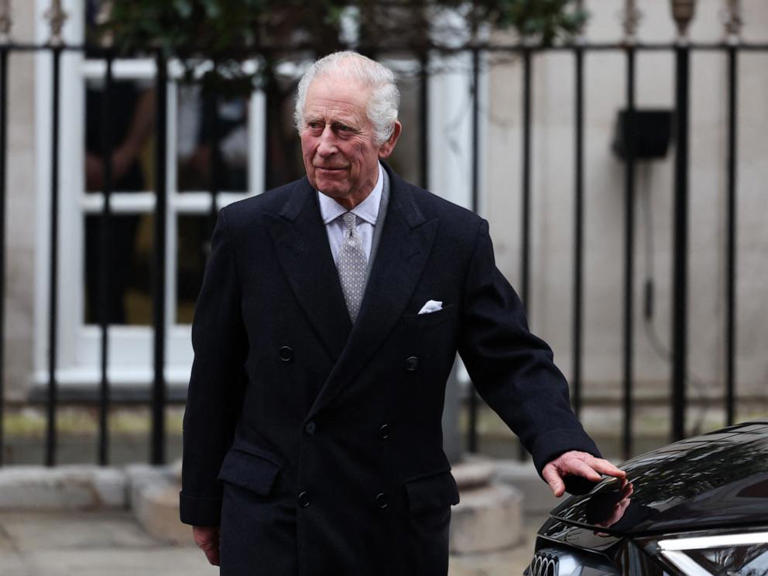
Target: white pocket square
x,y
431,306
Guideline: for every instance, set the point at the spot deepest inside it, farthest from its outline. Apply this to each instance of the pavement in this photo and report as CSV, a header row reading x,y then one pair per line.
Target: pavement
x,y
111,543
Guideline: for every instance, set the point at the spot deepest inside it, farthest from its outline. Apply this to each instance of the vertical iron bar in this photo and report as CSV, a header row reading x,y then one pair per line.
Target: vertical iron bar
x,y
629,245
525,276
680,258
475,129
159,245
578,227
423,119
212,101
104,260
3,152
472,443
50,444
526,200
730,313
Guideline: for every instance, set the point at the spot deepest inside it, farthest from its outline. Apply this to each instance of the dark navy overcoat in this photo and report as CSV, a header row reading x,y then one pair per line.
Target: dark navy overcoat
x,y
316,444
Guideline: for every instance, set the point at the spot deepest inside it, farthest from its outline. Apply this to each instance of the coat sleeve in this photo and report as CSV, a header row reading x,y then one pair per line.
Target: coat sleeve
x,y
512,369
216,383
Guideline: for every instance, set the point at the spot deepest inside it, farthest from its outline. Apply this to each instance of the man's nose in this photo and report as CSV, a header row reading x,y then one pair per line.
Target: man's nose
x,y
327,144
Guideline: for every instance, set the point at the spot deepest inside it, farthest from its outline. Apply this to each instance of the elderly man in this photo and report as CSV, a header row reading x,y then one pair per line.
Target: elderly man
x,y
329,318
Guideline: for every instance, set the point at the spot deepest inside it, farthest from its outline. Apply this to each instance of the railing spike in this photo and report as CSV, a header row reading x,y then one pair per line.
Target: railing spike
x,y
683,12
56,17
6,22
733,21
630,20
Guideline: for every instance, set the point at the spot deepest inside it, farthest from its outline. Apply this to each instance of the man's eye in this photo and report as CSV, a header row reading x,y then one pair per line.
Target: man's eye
x,y
315,125
343,128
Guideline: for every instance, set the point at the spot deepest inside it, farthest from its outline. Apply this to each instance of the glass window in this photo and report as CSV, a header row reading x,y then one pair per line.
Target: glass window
x,y
208,126
129,245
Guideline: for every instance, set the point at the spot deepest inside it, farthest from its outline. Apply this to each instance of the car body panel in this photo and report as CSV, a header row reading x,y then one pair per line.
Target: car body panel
x,y
698,506
713,480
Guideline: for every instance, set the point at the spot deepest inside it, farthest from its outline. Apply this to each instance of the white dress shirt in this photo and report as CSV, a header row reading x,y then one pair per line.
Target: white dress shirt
x,y
367,213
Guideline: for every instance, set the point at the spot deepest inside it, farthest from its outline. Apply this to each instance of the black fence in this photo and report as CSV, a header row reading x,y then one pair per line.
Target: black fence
x,y
528,55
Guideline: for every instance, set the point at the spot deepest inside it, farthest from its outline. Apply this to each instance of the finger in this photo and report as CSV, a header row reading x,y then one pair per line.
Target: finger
x,y
605,467
579,468
202,535
211,550
208,541
212,554
598,465
552,477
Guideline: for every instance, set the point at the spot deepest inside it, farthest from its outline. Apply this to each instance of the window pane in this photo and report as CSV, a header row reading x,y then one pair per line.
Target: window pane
x,y
194,232
199,118
129,241
131,132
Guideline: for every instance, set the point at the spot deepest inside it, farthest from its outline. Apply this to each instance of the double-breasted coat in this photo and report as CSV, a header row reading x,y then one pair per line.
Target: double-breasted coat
x,y
316,444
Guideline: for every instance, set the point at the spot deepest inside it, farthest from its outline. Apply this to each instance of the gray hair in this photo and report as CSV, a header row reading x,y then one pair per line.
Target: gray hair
x,y
384,102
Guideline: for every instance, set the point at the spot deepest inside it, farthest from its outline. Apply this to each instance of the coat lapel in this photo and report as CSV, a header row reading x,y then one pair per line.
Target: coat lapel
x,y
405,244
301,245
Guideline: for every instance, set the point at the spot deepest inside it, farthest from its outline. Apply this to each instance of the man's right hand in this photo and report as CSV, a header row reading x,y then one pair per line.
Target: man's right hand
x,y
207,539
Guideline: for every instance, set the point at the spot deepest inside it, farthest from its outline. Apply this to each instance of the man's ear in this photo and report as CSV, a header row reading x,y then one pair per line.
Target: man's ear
x,y
386,149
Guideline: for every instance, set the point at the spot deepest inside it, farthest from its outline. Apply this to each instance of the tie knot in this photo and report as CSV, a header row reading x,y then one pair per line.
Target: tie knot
x,y
349,221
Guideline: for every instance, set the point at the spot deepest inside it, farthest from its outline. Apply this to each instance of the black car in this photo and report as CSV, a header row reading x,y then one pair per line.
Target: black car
x,y
696,507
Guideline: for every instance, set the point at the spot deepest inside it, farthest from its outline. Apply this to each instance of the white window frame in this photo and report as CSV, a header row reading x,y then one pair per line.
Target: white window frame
x,y
130,347
79,345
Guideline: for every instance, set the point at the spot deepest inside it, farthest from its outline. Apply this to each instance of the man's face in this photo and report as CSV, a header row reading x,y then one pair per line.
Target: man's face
x,y
337,140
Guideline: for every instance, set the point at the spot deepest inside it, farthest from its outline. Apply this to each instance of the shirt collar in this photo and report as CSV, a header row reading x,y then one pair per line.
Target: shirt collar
x,y
367,210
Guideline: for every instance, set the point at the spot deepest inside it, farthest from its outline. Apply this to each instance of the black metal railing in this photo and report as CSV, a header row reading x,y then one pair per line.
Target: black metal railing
x,y
53,309
3,172
159,392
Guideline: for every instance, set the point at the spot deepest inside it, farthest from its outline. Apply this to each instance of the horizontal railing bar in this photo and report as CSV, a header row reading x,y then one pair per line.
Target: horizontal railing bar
x,y
598,46
70,396
661,46
144,202
143,68
88,395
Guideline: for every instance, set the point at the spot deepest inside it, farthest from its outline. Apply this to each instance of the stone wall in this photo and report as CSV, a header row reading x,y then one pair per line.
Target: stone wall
x,y
553,201
21,205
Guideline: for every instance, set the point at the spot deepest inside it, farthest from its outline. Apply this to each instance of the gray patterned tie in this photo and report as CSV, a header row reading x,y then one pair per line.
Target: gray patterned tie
x,y
352,265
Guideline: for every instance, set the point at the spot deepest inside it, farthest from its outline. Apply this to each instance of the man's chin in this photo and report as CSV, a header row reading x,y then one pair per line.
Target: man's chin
x,y
333,192
331,187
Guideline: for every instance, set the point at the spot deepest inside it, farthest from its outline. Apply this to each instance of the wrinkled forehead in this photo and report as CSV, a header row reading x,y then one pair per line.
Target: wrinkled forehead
x,y
331,92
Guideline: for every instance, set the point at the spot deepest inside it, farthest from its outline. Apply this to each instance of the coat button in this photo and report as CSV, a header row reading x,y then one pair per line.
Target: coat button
x,y
286,354
384,431
303,499
382,501
412,363
310,428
